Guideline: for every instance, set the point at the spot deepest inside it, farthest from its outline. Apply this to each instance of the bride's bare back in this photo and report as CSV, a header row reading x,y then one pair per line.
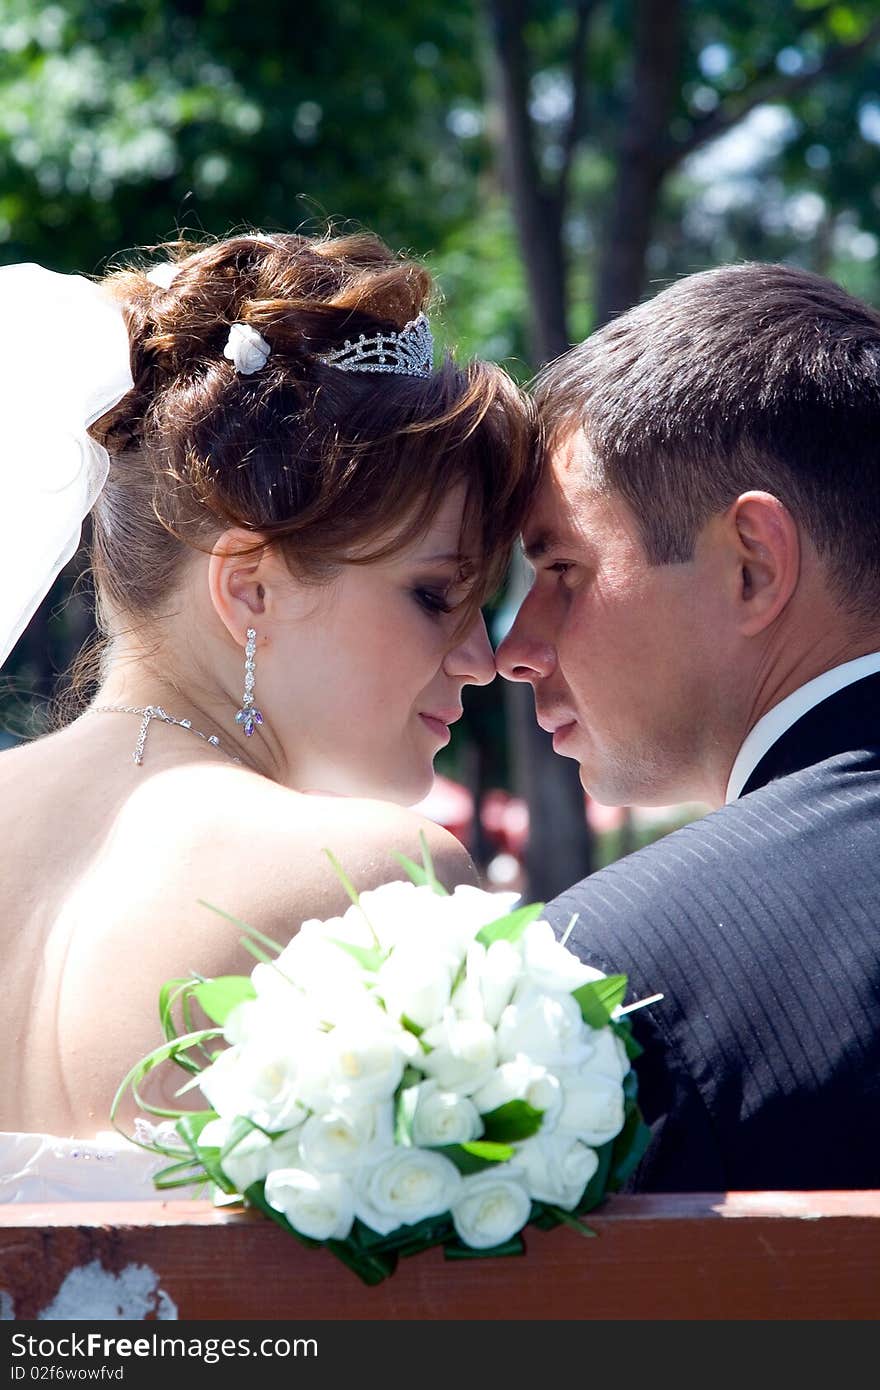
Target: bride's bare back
x,y
104,864
281,531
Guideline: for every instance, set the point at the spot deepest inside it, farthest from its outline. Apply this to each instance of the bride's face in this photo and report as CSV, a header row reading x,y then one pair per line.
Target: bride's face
x,y
368,674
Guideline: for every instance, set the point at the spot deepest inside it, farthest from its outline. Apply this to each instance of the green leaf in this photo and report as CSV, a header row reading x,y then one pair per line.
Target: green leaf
x,y
511,926
191,1124
477,1156
456,1250
167,1052
243,926
367,957
220,996
370,1267
597,1188
168,996
240,1129
257,952
183,1174
597,998
511,1122
416,874
189,1127
628,1148
343,877
430,876
567,1218
623,1029
404,1112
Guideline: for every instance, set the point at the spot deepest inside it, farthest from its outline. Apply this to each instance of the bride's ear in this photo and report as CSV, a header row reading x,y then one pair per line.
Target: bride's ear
x,y
242,579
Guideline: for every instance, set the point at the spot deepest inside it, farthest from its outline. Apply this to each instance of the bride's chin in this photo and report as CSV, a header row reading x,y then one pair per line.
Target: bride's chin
x,y
409,790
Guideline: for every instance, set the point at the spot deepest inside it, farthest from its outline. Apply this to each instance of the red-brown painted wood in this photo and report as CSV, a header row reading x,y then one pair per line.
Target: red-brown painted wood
x,y
764,1255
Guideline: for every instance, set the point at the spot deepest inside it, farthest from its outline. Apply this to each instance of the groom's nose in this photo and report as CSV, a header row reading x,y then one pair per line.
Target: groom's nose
x,y
524,655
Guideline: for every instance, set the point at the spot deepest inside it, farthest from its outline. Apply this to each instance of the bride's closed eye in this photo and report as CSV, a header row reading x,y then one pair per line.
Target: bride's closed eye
x,y
433,601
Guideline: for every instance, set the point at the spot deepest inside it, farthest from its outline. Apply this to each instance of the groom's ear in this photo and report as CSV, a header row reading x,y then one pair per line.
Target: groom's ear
x,y
766,542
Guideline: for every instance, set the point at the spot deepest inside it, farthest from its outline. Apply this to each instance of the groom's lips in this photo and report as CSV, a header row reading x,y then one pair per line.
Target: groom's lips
x,y
559,725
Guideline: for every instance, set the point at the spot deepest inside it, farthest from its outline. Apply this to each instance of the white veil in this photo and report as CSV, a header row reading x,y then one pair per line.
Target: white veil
x,y
64,362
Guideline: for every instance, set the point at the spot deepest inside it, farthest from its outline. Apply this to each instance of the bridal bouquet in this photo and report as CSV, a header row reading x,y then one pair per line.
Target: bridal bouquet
x,y
428,1069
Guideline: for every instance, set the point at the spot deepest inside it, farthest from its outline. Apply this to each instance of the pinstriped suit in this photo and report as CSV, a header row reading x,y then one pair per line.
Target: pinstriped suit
x,y
760,923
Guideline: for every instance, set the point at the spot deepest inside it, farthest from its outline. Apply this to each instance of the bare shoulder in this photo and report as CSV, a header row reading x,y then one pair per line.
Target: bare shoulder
x,y
265,848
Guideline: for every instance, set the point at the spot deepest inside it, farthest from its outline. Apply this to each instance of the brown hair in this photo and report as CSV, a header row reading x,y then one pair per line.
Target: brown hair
x,y
321,461
748,376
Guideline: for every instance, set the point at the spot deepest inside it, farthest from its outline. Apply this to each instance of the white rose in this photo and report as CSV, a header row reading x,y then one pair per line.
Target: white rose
x,y
552,967
246,349
319,1205
416,980
281,1017
608,1056
443,1117
315,981
388,914
522,1080
555,1168
257,1079
357,1063
463,1054
490,977
548,1028
468,909
404,1187
254,1156
490,1208
592,1106
337,1140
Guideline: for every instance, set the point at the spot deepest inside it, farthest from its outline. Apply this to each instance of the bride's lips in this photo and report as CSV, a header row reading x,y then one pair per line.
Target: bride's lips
x,y
439,723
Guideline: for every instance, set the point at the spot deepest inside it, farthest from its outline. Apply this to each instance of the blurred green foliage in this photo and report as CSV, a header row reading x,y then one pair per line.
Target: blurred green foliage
x,y
122,123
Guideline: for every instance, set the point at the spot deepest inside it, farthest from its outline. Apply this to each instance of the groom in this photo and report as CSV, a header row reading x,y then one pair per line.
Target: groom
x,y
705,625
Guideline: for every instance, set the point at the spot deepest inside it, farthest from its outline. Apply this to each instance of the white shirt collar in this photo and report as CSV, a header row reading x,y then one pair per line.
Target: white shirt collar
x,y
781,717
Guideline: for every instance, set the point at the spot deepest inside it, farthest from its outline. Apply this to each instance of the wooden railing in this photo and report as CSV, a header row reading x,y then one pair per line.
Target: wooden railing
x,y
744,1255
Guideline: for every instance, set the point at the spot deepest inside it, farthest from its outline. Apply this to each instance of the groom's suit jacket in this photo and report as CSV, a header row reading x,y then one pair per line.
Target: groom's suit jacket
x,y
760,924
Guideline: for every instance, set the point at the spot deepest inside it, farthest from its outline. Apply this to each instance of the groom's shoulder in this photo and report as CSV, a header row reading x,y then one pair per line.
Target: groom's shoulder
x,y
798,846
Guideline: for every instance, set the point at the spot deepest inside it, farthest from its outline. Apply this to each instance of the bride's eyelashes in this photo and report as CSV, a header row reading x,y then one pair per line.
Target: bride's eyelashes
x,y
432,601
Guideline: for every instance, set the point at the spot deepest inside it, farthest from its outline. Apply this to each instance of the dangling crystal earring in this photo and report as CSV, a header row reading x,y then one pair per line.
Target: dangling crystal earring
x,y
249,716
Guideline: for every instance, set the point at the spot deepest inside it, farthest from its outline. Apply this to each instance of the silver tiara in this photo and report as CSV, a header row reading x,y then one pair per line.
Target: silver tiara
x,y
408,353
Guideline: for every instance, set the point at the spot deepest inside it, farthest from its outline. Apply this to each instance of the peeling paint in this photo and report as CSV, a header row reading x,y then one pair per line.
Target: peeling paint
x,y
92,1292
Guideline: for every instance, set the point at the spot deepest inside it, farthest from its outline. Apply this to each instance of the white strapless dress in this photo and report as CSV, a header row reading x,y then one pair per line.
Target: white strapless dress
x,y
108,1168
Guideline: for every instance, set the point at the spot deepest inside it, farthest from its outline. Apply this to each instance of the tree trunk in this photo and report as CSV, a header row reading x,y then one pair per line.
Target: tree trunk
x,y
640,162
537,212
560,845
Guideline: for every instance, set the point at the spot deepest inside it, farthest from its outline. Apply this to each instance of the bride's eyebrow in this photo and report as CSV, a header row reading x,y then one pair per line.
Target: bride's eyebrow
x,y
451,557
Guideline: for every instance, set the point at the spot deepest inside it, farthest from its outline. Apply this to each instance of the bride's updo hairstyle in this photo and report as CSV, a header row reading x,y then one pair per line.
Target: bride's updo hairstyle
x,y
330,465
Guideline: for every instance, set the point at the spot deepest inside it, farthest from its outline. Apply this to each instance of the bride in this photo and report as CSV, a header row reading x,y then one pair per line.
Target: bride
x,y
301,518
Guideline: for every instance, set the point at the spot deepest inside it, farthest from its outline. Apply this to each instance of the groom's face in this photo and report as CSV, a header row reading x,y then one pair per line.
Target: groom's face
x,y
623,655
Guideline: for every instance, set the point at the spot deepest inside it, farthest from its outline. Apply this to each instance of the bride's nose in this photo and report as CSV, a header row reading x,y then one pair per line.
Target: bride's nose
x,y
472,659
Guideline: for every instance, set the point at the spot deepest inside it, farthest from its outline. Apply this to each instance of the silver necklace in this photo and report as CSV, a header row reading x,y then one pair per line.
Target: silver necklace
x,y
150,712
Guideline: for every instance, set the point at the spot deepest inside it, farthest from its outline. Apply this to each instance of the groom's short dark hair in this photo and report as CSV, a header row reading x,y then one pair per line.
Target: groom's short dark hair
x,y
748,376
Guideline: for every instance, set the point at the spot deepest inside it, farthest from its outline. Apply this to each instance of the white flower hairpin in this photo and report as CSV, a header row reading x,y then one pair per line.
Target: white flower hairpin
x,y
246,349
163,274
